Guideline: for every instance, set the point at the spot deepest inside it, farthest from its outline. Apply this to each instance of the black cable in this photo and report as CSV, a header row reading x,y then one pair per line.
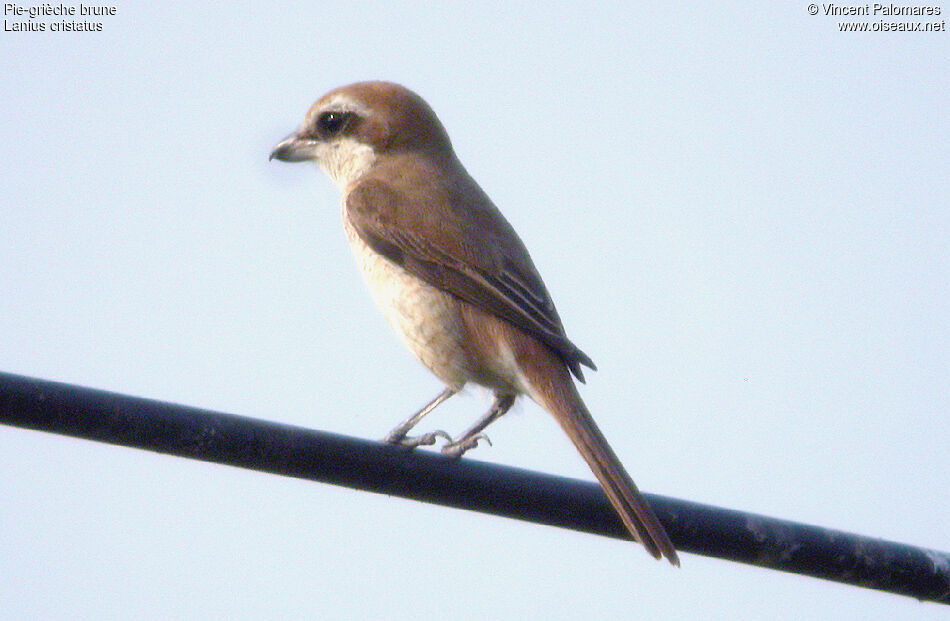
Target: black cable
x,y
467,484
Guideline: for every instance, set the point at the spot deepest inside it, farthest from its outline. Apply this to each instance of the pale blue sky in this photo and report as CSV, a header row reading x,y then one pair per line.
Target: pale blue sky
x,y
741,213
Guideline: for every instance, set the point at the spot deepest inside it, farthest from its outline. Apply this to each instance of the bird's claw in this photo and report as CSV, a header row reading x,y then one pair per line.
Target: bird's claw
x,y
426,439
458,448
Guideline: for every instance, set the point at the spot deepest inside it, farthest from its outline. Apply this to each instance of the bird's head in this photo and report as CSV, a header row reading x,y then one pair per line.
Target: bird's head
x,y
350,128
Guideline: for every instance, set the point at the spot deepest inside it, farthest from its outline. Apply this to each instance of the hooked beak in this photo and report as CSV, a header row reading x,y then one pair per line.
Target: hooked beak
x,y
293,148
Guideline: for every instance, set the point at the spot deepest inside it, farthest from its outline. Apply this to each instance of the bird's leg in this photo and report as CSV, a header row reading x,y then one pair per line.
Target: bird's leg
x,y
398,434
469,439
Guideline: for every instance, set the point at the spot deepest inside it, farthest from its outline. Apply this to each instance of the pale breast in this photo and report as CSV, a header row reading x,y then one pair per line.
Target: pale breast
x,y
427,320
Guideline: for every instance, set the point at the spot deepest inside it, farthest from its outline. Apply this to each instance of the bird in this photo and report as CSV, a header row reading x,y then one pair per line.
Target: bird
x,y
453,278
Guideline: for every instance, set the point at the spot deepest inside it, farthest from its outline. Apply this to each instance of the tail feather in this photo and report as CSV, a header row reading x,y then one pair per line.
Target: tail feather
x,y
630,505
543,374
552,388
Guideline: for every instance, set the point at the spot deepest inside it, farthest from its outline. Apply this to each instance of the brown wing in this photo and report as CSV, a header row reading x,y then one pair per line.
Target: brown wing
x,y
434,242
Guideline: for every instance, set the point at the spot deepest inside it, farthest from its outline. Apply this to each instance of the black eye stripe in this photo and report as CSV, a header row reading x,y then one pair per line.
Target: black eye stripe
x,y
332,122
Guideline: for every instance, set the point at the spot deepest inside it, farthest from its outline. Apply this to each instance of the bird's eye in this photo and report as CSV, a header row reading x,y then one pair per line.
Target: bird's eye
x,y
332,123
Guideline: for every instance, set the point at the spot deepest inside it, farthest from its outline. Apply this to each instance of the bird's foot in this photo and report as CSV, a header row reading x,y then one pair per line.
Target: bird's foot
x,y
426,439
457,448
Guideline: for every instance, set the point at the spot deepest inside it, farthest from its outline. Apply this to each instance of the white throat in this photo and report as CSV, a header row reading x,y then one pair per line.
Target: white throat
x,y
345,160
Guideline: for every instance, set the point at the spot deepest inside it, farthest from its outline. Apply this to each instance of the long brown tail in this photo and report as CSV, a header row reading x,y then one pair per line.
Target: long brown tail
x,y
555,391
630,505
548,382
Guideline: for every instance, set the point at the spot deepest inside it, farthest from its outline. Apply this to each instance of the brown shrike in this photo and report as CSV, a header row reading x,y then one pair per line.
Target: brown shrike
x,y
452,276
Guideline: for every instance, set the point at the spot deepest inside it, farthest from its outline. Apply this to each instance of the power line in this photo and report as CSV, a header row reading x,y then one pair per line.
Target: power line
x,y
466,484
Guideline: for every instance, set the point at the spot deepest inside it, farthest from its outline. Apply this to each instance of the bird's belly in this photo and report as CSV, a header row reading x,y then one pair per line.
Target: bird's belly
x,y
427,320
